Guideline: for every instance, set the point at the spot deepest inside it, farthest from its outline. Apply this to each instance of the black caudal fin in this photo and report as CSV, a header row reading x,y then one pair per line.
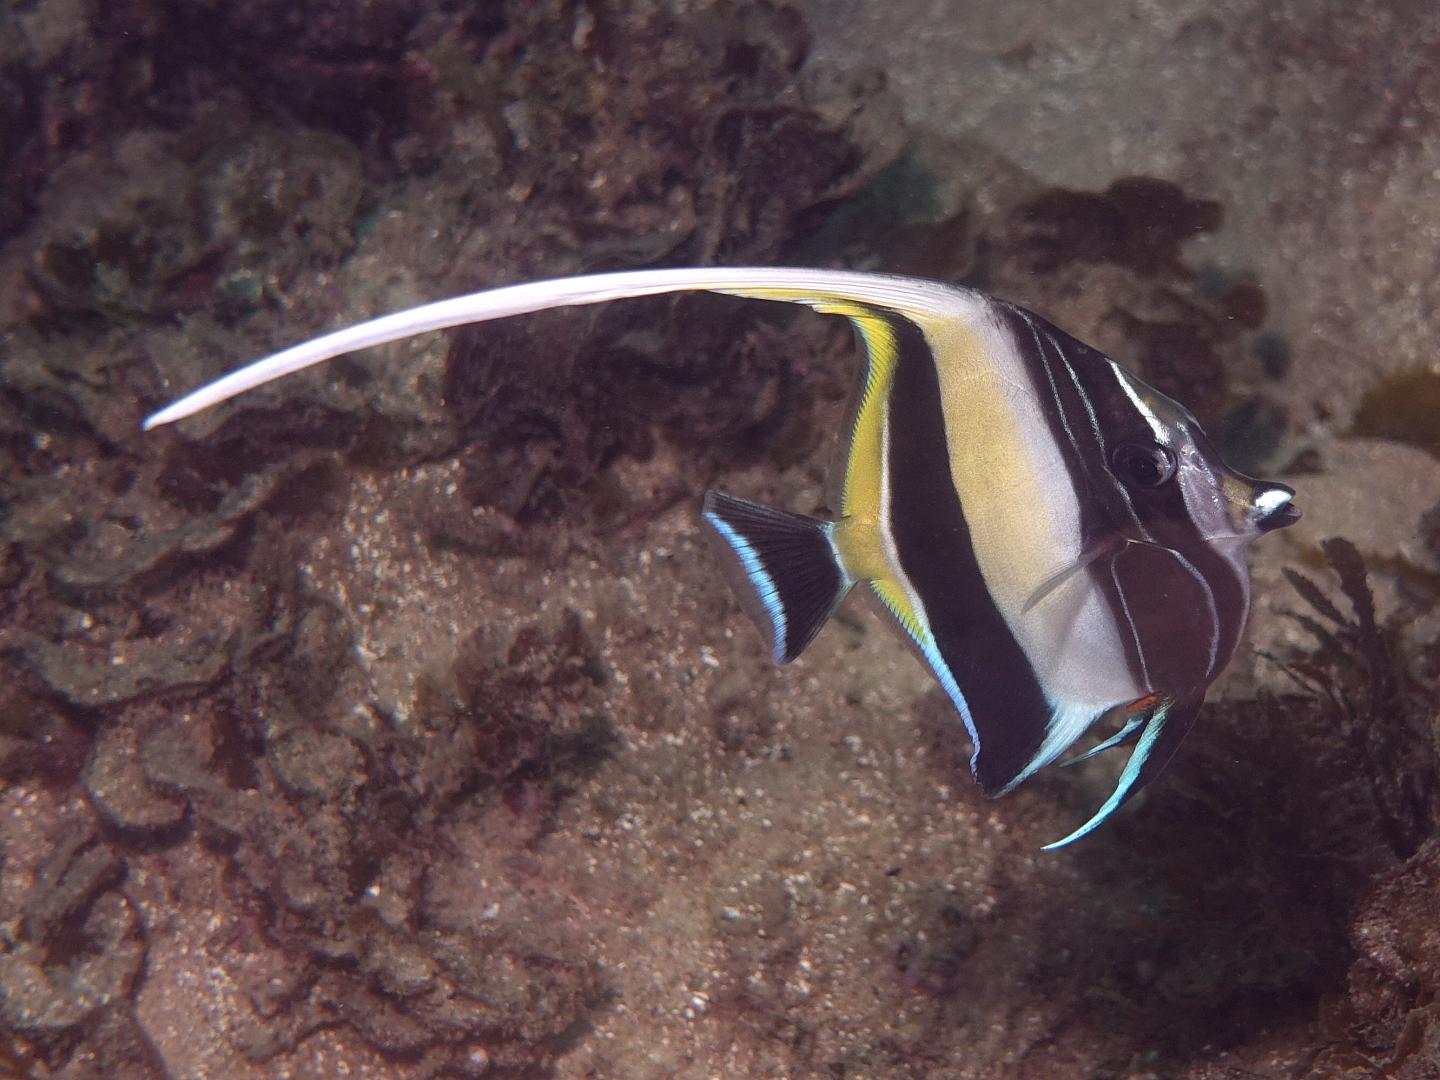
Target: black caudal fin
x,y
793,581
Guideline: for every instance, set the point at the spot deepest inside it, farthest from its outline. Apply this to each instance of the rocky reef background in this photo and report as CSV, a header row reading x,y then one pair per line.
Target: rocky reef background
x,y
394,720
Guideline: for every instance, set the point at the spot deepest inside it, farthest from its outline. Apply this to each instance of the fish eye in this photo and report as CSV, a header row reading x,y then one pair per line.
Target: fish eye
x,y
1143,465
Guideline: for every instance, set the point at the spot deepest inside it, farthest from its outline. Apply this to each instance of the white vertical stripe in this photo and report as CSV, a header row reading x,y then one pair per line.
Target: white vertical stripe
x,y
1023,512
1156,427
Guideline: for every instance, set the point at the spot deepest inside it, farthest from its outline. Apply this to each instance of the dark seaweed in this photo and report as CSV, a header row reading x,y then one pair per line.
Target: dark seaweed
x,y
1381,709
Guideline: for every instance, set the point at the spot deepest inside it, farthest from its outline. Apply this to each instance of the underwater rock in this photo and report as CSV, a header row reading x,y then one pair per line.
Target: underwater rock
x,y
469,879
121,791
334,838
50,67
14,106
1137,222
1397,970
117,241
324,765
933,962
1108,267
274,32
1371,488
1403,407
111,676
41,996
78,871
79,946
38,737
121,1048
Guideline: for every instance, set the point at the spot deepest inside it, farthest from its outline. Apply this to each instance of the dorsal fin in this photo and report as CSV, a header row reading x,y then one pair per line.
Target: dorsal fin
x,y
833,291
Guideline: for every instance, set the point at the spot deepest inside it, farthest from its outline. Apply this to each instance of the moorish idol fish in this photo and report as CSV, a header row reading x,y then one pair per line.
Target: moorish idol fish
x,y
1058,540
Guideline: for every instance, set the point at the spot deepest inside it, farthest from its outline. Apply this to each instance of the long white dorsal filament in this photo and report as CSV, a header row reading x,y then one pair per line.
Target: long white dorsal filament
x,y
794,285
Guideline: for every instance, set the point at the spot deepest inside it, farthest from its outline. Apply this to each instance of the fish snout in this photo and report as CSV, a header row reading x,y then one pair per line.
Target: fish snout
x,y
1273,507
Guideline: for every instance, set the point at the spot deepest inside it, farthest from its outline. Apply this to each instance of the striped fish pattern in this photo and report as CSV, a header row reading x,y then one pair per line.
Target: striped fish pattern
x,y
1058,540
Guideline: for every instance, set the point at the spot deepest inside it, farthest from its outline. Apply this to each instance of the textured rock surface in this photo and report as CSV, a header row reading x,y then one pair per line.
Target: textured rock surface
x,y
394,721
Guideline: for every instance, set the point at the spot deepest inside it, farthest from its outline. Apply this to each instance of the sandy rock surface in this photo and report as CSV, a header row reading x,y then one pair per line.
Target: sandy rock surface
x,y
395,721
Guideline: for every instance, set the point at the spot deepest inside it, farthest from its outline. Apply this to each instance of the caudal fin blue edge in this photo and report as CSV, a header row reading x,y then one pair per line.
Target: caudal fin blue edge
x,y
789,577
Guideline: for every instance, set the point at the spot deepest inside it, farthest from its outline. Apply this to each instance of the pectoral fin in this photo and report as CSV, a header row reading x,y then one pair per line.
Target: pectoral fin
x,y
1160,735
1061,576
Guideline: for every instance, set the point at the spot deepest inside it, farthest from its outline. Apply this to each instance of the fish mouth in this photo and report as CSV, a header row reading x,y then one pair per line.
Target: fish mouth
x,y
1281,513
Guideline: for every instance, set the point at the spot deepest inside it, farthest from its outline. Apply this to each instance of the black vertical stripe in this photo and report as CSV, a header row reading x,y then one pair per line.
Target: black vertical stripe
x,y
1088,411
1156,602
1047,353
1168,611
1007,705
1230,586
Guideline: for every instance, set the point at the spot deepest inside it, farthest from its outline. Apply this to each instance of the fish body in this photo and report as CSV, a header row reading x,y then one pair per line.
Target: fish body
x,y
1058,540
